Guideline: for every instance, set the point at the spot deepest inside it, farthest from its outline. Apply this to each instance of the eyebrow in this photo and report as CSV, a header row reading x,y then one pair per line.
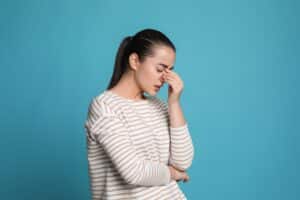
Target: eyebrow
x,y
166,66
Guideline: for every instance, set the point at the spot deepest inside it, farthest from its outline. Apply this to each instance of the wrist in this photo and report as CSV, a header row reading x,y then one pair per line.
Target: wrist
x,y
173,102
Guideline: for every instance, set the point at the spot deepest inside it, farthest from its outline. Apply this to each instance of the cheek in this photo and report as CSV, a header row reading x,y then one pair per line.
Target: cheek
x,y
148,77
153,76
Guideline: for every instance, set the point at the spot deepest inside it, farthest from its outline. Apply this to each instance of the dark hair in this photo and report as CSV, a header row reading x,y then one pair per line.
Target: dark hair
x,y
142,44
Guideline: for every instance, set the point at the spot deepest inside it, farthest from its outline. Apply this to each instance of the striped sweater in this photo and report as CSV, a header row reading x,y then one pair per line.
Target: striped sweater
x,y
129,147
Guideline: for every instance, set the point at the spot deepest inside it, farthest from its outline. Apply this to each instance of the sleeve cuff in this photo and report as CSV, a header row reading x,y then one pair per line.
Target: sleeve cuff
x,y
179,128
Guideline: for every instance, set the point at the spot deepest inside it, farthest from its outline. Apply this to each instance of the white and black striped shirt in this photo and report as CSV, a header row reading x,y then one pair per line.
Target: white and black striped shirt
x,y
130,144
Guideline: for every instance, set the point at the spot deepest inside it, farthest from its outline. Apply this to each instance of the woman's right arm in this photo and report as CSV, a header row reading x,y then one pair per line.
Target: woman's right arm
x,y
114,138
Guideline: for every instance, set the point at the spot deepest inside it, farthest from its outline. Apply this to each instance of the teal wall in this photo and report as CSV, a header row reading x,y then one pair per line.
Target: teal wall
x,y
239,60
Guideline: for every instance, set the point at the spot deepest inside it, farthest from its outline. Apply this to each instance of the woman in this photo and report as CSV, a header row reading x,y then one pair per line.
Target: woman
x,y
139,147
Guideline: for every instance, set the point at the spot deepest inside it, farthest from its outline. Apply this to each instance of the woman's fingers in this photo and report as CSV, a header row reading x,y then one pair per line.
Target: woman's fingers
x,y
172,74
178,175
173,80
184,177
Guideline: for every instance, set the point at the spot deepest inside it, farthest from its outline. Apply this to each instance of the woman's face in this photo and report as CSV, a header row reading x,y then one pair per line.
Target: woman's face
x,y
149,72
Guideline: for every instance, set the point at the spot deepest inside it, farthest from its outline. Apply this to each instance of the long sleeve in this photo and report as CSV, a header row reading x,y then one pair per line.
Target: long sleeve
x,y
113,136
181,147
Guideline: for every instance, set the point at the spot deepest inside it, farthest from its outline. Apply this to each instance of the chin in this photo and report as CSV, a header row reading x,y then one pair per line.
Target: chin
x,y
151,92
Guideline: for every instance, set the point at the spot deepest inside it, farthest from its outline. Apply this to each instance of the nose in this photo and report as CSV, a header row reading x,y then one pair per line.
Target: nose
x,y
162,79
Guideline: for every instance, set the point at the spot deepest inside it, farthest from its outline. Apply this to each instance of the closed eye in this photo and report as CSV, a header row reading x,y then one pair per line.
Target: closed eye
x,y
166,66
160,70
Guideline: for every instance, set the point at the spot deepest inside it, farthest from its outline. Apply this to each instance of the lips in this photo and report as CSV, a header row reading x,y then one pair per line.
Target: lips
x,y
157,87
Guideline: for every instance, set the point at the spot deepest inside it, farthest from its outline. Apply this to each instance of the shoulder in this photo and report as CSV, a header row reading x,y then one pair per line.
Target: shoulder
x,y
101,106
101,116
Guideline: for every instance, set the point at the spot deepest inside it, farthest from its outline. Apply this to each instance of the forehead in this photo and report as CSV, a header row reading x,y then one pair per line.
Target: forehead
x,y
164,55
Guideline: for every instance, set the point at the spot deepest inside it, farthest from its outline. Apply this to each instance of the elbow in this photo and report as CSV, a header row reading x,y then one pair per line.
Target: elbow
x,y
182,163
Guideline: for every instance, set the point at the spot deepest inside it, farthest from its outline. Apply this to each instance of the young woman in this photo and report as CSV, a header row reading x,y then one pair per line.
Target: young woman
x,y
139,146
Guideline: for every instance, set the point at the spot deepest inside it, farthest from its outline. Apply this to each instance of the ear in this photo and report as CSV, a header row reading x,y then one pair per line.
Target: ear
x,y
134,62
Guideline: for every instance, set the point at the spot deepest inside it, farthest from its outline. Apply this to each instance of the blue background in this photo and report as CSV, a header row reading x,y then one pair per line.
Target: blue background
x,y
239,61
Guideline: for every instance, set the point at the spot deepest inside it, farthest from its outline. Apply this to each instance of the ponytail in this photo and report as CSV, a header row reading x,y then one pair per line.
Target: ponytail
x,y
120,62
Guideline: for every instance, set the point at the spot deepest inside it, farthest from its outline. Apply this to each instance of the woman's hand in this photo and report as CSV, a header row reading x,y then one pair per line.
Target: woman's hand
x,y
175,85
178,175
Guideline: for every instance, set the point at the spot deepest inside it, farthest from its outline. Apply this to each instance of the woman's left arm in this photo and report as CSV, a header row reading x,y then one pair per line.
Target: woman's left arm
x,y
181,145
